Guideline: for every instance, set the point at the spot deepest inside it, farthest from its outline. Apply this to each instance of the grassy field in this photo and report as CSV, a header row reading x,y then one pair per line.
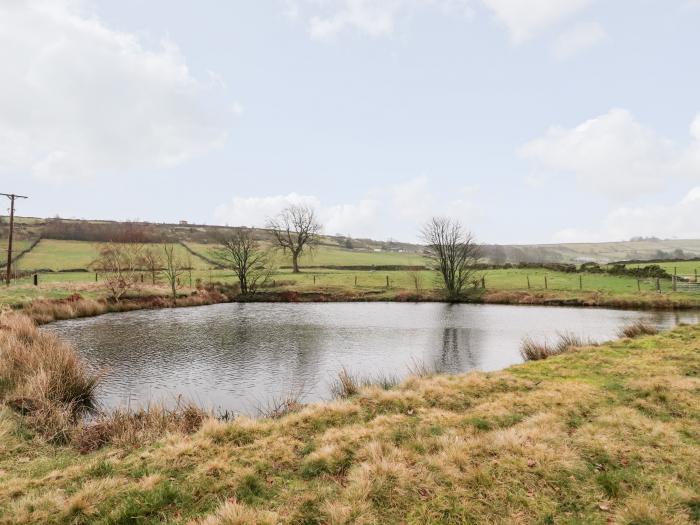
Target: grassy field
x,y
60,256
325,255
605,252
71,255
607,434
683,268
338,282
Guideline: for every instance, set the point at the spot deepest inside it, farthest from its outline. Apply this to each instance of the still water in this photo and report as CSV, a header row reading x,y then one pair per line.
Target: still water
x,y
238,357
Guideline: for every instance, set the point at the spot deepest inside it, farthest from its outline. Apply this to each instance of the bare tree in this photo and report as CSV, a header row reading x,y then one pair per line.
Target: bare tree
x,y
453,249
153,262
241,253
296,229
120,264
173,269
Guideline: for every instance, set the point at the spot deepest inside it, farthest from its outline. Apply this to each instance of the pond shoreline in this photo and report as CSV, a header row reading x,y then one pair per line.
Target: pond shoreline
x,y
45,311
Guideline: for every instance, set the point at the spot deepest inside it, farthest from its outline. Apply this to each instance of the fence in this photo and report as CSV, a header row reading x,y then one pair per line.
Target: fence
x,y
688,283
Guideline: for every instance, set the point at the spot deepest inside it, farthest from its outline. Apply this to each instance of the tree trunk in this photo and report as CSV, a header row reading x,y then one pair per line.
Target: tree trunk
x,y
295,262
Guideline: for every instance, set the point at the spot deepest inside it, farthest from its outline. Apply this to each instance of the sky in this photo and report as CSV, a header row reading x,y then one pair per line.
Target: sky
x,y
530,122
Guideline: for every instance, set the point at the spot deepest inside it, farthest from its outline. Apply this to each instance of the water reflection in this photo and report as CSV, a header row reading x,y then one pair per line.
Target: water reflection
x,y
239,356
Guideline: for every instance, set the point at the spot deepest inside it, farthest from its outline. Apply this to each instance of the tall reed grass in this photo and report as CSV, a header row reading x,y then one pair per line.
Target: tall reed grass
x,y
637,329
42,377
532,350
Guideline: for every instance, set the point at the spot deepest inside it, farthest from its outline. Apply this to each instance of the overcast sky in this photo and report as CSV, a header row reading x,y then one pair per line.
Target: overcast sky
x,y
531,121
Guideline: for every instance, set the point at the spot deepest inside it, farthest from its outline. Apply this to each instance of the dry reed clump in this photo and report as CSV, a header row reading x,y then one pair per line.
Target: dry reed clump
x,y
348,384
280,406
532,350
131,428
637,329
42,377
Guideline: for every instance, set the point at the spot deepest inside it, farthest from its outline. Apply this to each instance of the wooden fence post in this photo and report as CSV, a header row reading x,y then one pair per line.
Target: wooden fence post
x,y
696,275
545,282
356,280
483,282
580,282
387,281
528,281
658,285
95,276
314,279
36,279
639,287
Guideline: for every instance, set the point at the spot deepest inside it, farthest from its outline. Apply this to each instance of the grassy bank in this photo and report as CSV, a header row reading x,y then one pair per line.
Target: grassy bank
x,y
607,434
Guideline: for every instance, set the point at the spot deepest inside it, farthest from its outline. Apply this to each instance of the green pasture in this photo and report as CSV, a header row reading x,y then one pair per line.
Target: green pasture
x,y
682,268
58,255
17,246
325,255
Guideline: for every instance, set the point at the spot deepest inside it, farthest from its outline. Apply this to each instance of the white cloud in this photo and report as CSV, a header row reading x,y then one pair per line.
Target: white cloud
x,y
375,18
397,211
524,19
379,18
254,211
615,155
679,220
577,39
79,98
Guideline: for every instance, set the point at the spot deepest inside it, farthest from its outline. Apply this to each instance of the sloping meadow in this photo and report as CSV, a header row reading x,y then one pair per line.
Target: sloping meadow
x,y
596,435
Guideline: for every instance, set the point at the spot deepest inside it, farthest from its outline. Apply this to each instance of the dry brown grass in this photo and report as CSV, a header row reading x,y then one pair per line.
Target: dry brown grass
x,y
44,311
42,377
129,428
532,350
637,329
347,384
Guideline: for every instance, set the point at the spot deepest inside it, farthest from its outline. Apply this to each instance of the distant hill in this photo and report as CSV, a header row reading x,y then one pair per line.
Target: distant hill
x,y
29,229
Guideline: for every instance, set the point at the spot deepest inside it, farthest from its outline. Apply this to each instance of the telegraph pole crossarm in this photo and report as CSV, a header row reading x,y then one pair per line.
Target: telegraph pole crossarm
x,y
12,198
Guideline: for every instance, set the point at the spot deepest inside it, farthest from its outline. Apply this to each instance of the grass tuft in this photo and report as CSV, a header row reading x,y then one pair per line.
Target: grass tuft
x,y
532,350
638,329
43,378
347,384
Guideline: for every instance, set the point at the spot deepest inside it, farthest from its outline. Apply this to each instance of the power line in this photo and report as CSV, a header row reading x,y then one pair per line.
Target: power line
x,y
12,198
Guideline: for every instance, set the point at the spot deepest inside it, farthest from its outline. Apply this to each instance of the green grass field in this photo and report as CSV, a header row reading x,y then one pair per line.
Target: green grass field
x,y
60,256
683,268
333,256
72,255
17,247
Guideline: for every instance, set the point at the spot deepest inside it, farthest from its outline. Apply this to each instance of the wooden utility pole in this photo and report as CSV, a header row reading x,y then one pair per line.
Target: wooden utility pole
x,y
12,198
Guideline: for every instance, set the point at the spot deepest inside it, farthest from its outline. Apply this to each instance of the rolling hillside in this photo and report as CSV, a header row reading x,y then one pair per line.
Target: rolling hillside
x,y
77,239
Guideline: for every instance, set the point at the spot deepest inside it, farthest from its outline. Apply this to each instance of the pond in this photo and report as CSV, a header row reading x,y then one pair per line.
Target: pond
x,y
239,357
